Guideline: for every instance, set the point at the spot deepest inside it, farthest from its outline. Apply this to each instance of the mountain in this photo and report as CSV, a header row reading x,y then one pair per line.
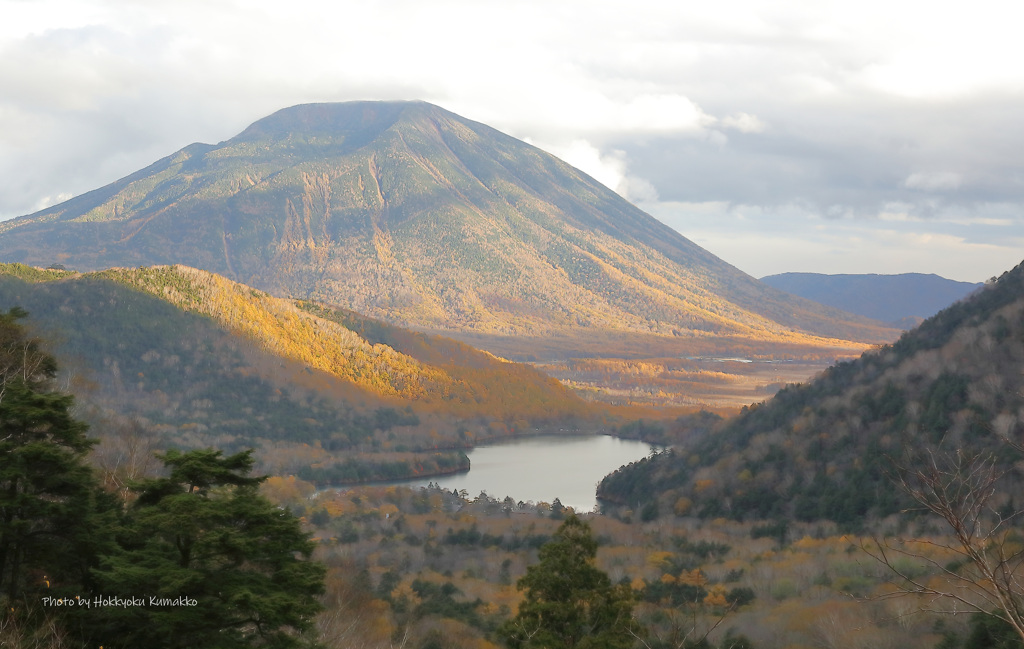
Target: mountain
x,y
901,300
825,449
408,213
199,360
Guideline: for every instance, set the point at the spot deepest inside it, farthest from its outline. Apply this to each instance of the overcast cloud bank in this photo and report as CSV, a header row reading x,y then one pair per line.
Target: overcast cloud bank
x,y
838,137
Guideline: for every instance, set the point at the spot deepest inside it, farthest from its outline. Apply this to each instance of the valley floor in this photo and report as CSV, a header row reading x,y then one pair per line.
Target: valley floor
x,y
717,384
428,565
718,373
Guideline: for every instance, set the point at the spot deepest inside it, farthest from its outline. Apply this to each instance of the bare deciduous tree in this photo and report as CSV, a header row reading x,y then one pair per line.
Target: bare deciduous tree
x,y
966,491
687,626
126,454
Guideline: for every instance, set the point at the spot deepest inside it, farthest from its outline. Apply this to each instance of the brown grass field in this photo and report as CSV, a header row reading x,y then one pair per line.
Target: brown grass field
x,y
674,373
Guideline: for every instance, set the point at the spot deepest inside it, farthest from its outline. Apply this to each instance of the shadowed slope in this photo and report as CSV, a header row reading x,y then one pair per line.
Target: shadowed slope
x,y
825,449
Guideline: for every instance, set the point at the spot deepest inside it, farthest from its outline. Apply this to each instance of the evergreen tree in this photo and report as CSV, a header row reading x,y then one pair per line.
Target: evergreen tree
x,y
234,570
990,632
50,533
569,601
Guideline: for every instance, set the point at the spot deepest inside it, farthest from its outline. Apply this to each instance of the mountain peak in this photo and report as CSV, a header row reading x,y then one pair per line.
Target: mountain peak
x,y
364,119
409,213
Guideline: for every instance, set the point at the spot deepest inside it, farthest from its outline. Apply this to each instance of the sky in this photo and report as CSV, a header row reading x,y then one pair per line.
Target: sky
x,y
783,136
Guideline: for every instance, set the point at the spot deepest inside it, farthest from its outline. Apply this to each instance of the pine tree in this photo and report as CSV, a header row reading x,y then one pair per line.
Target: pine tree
x,y
49,531
569,602
235,568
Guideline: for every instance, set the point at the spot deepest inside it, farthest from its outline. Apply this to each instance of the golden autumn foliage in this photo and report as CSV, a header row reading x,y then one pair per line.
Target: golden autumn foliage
x,y
703,485
434,373
693,578
716,596
286,490
279,326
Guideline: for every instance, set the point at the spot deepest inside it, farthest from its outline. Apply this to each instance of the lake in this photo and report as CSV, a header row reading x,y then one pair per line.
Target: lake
x,y
544,468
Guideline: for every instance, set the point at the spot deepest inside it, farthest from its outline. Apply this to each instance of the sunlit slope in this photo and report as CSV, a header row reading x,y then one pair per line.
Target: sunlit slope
x,y
407,212
281,341
277,326
826,449
480,382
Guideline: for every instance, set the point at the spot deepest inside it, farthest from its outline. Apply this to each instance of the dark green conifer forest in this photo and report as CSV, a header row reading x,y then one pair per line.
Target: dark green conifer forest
x,y
197,558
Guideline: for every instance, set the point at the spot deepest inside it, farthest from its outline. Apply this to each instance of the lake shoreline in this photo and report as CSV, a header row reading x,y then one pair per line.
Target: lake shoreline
x,y
536,468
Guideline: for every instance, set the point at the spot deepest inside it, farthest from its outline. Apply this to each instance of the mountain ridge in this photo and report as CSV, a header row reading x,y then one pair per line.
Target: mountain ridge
x,y
900,300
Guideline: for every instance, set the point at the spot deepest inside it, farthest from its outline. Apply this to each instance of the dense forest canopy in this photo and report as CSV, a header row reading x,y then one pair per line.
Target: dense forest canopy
x,y
826,449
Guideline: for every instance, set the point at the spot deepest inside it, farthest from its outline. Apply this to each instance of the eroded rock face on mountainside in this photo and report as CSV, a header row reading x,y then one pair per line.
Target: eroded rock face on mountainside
x,y
407,212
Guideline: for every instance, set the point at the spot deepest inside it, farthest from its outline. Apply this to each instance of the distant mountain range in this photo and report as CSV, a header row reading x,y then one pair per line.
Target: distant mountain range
x,y
406,212
826,449
902,301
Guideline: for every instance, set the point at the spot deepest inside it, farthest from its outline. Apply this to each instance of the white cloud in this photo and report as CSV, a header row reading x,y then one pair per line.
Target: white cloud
x,y
608,169
47,201
933,181
636,189
744,123
944,51
660,113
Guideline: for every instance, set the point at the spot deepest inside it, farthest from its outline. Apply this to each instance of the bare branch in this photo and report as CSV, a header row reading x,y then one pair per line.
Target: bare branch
x,y
962,490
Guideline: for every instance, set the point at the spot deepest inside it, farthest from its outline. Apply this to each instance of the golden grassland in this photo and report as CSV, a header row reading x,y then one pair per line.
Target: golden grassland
x,y
718,373
716,384
626,345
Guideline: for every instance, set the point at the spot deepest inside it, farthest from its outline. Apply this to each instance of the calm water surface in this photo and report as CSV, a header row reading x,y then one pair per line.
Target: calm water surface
x,y
545,468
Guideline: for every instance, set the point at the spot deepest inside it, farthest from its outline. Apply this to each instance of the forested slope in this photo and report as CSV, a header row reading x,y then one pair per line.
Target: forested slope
x,y
200,360
824,450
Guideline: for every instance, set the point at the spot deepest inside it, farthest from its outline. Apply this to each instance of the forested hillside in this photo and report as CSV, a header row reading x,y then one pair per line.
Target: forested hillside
x,y
200,360
827,449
